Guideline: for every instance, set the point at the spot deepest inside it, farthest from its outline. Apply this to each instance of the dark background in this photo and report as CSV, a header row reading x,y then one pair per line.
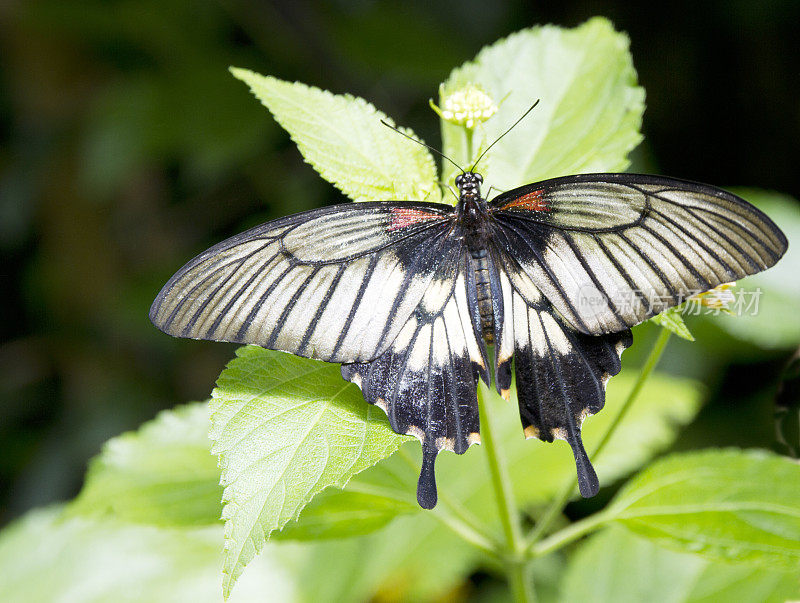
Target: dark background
x,y
127,148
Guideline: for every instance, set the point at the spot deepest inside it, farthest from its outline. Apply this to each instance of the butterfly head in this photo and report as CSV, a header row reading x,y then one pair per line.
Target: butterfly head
x,y
471,208
469,184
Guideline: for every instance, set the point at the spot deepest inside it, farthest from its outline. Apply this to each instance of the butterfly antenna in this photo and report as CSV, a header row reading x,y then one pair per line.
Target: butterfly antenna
x,y
427,146
496,140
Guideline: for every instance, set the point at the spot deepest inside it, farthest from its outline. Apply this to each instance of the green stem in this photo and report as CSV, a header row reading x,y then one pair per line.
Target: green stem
x,y
569,534
465,531
469,133
565,494
519,579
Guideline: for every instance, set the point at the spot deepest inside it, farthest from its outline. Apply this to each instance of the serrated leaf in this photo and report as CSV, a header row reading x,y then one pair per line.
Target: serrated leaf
x,y
162,474
285,428
342,137
368,503
672,320
615,566
731,505
44,557
589,113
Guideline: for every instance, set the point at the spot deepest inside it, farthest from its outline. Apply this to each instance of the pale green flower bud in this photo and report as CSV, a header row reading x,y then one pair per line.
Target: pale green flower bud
x,y
467,106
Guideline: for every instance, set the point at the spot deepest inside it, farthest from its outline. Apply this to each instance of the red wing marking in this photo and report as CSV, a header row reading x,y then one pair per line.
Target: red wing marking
x,y
533,201
406,216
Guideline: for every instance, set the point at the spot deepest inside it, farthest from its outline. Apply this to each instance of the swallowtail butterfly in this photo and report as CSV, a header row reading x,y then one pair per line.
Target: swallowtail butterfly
x,y
406,295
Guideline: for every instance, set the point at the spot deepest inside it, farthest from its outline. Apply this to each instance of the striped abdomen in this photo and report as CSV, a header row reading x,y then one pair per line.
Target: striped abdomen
x,y
480,263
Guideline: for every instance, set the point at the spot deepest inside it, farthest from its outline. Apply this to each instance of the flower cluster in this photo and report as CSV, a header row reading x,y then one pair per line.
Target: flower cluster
x,y
466,106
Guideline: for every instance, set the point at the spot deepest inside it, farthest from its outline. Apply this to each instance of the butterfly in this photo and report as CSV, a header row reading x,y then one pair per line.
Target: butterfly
x,y
407,295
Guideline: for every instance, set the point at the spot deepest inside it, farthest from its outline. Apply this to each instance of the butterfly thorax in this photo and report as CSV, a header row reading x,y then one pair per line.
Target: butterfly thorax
x,y
473,217
471,211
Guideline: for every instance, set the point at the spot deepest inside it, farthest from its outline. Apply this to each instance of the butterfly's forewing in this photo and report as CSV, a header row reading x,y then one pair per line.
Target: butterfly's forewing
x,y
335,284
426,380
611,250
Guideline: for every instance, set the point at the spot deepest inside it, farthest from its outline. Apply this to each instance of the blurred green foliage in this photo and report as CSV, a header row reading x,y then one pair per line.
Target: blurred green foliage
x,y
127,148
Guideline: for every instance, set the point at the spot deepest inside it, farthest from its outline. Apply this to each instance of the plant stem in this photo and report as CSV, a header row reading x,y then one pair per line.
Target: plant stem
x,y
565,494
516,564
469,133
521,582
452,521
569,534
465,531
500,481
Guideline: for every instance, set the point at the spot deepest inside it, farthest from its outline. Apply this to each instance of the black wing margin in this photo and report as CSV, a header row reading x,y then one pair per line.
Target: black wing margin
x,y
336,284
426,380
612,250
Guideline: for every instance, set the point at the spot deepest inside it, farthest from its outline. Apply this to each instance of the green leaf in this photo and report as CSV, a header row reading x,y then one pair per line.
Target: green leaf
x,y
46,558
342,137
726,504
616,566
421,546
768,316
162,474
415,558
368,503
286,428
590,106
672,320
354,511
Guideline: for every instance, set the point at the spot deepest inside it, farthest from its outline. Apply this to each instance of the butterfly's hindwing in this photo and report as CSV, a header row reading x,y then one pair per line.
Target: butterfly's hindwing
x,y
335,284
561,373
611,250
426,380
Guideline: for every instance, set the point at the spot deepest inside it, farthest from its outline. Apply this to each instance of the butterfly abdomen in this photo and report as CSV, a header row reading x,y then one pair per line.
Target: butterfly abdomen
x,y
480,264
